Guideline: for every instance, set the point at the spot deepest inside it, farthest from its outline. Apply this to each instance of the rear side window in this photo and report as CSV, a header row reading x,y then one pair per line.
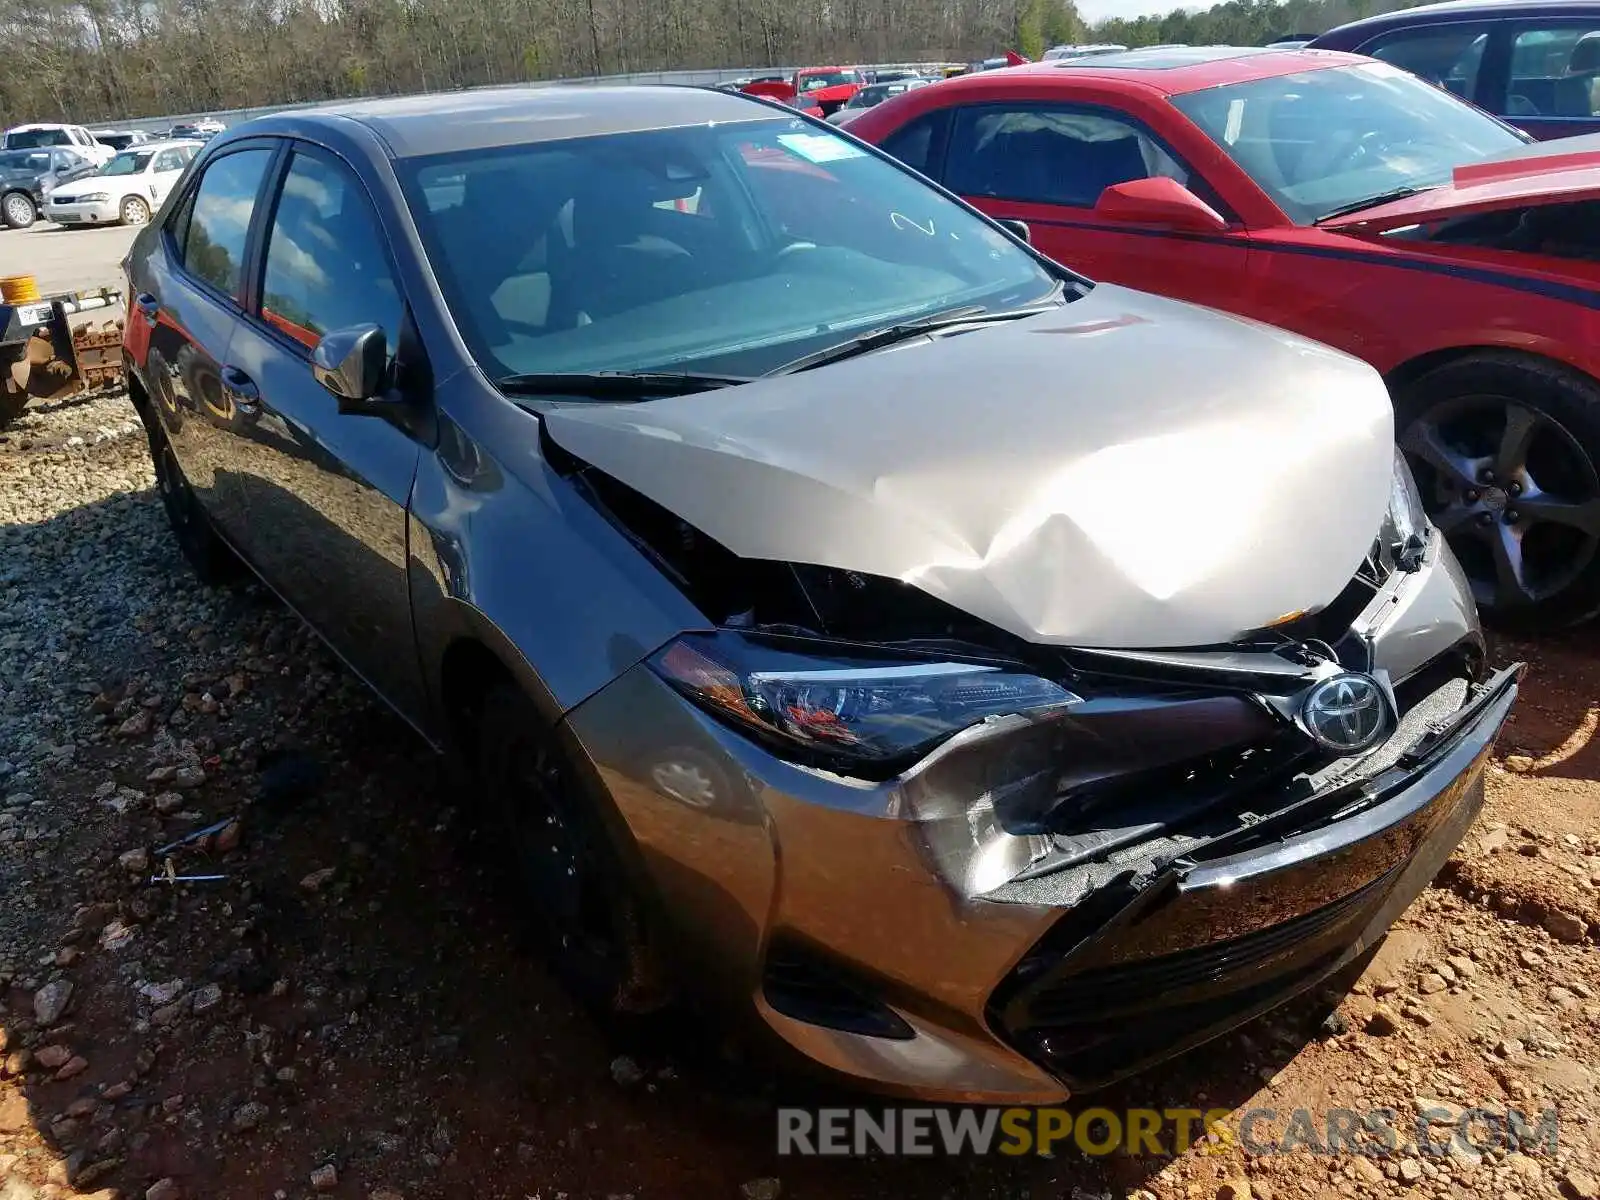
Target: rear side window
x,y
1046,155
326,264
914,144
217,219
1555,72
1446,55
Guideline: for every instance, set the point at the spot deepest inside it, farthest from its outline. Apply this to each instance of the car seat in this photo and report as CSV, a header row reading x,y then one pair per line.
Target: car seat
x,y
616,260
1578,92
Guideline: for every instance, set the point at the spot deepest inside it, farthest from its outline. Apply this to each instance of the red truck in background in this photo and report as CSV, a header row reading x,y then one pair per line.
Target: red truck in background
x,y
815,90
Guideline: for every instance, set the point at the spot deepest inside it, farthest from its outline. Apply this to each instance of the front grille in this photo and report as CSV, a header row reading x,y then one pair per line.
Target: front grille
x,y
1090,1024
1155,982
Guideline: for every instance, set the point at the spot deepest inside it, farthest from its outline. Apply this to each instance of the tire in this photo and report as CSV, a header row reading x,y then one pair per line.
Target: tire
x,y
585,911
212,559
133,211
1506,449
18,210
11,405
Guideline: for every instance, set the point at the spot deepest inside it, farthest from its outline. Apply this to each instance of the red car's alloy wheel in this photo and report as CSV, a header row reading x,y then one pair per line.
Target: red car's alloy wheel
x,y
1514,491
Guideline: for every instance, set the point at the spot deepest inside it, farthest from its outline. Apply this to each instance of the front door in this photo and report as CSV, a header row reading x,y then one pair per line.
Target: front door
x,y
328,492
1047,164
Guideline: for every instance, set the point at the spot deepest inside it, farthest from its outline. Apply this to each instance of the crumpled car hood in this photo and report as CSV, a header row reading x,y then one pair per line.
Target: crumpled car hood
x,y
1124,471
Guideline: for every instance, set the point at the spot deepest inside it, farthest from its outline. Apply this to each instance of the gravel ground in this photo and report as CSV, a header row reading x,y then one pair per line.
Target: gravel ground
x,y
351,1010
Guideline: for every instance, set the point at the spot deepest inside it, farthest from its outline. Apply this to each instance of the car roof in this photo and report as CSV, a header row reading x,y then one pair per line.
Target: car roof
x,y
41,125
433,123
1172,70
1457,9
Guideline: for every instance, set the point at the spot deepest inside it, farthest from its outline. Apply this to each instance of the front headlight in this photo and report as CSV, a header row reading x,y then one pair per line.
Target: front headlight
x,y
1406,514
845,711
91,198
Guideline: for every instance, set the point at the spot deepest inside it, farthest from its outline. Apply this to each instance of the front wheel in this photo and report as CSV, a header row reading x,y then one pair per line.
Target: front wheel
x,y
134,211
583,903
18,210
1505,449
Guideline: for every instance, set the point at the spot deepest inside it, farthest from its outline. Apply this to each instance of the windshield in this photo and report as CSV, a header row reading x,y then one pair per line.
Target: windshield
x,y
871,97
731,248
810,83
128,164
1320,142
28,139
25,160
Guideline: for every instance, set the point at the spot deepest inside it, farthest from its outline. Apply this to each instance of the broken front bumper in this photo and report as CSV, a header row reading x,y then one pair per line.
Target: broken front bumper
x,y
1227,931
885,933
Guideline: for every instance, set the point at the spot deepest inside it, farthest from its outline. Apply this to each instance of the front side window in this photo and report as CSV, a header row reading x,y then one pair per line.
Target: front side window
x,y
326,267
217,220
726,247
1044,154
1332,141
173,160
1445,55
1555,72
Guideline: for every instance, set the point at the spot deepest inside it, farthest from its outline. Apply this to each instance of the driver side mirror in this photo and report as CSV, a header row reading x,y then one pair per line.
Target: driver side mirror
x,y
1158,201
353,364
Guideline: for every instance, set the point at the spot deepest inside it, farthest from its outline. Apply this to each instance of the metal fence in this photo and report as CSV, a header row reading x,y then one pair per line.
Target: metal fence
x,y
233,116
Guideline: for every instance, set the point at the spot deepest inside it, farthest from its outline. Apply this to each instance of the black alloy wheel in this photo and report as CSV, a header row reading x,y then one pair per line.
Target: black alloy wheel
x,y
1505,453
584,908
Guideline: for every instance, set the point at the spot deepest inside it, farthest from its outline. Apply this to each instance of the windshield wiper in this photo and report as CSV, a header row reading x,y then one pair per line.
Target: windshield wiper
x,y
876,339
1399,193
615,385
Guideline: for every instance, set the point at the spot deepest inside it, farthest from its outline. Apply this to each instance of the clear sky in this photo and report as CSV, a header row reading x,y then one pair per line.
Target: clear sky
x,y
1099,10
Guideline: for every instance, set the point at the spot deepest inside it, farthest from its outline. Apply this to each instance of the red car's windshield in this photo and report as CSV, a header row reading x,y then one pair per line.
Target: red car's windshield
x,y
1336,140
810,83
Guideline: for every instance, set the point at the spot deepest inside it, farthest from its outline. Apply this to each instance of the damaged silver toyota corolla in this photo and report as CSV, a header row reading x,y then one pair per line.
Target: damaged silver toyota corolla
x,y
978,681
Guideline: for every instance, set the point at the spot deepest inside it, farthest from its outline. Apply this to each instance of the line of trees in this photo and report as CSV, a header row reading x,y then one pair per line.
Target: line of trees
x,y
101,60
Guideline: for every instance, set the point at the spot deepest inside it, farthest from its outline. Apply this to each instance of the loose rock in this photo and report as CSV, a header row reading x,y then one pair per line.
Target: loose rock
x,y
50,1001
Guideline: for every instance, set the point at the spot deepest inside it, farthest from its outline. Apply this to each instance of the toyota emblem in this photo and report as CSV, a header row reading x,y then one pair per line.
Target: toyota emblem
x,y
1346,713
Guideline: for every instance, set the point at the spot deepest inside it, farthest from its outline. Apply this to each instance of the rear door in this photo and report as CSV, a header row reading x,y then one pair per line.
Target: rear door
x,y
328,492
1550,85
1047,164
165,172
188,293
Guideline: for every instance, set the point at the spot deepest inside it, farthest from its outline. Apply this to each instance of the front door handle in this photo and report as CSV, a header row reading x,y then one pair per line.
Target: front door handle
x,y
241,389
147,304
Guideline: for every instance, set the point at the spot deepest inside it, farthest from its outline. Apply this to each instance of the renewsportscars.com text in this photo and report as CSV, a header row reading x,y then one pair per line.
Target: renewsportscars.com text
x,y
1148,1131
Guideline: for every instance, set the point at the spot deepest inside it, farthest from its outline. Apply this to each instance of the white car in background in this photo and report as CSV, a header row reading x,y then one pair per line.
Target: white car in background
x,y
126,190
40,135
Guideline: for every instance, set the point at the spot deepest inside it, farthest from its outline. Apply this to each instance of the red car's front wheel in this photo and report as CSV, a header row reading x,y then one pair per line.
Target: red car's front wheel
x,y
1505,450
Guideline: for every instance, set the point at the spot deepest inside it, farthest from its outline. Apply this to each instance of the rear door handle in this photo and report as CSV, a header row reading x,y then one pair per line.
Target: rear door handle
x,y
241,389
147,304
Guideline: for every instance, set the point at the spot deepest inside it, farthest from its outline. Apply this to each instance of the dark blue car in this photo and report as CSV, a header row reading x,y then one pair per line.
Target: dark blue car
x,y
1536,63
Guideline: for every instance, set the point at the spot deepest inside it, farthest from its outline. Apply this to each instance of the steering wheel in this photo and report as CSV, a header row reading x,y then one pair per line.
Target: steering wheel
x,y
1363,145
795,248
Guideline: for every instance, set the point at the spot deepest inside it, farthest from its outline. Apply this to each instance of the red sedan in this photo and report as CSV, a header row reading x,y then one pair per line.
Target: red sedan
x,y
1351,202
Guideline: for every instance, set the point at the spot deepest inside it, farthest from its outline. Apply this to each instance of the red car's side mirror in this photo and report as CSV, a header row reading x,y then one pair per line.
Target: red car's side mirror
x,y
1159,201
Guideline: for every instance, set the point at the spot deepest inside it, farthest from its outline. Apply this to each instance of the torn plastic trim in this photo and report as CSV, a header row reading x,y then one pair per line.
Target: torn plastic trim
x,y
1182,949
1327,810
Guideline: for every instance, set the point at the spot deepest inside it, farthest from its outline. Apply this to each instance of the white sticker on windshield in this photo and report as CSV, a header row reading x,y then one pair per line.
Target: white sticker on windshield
x,y
819,147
